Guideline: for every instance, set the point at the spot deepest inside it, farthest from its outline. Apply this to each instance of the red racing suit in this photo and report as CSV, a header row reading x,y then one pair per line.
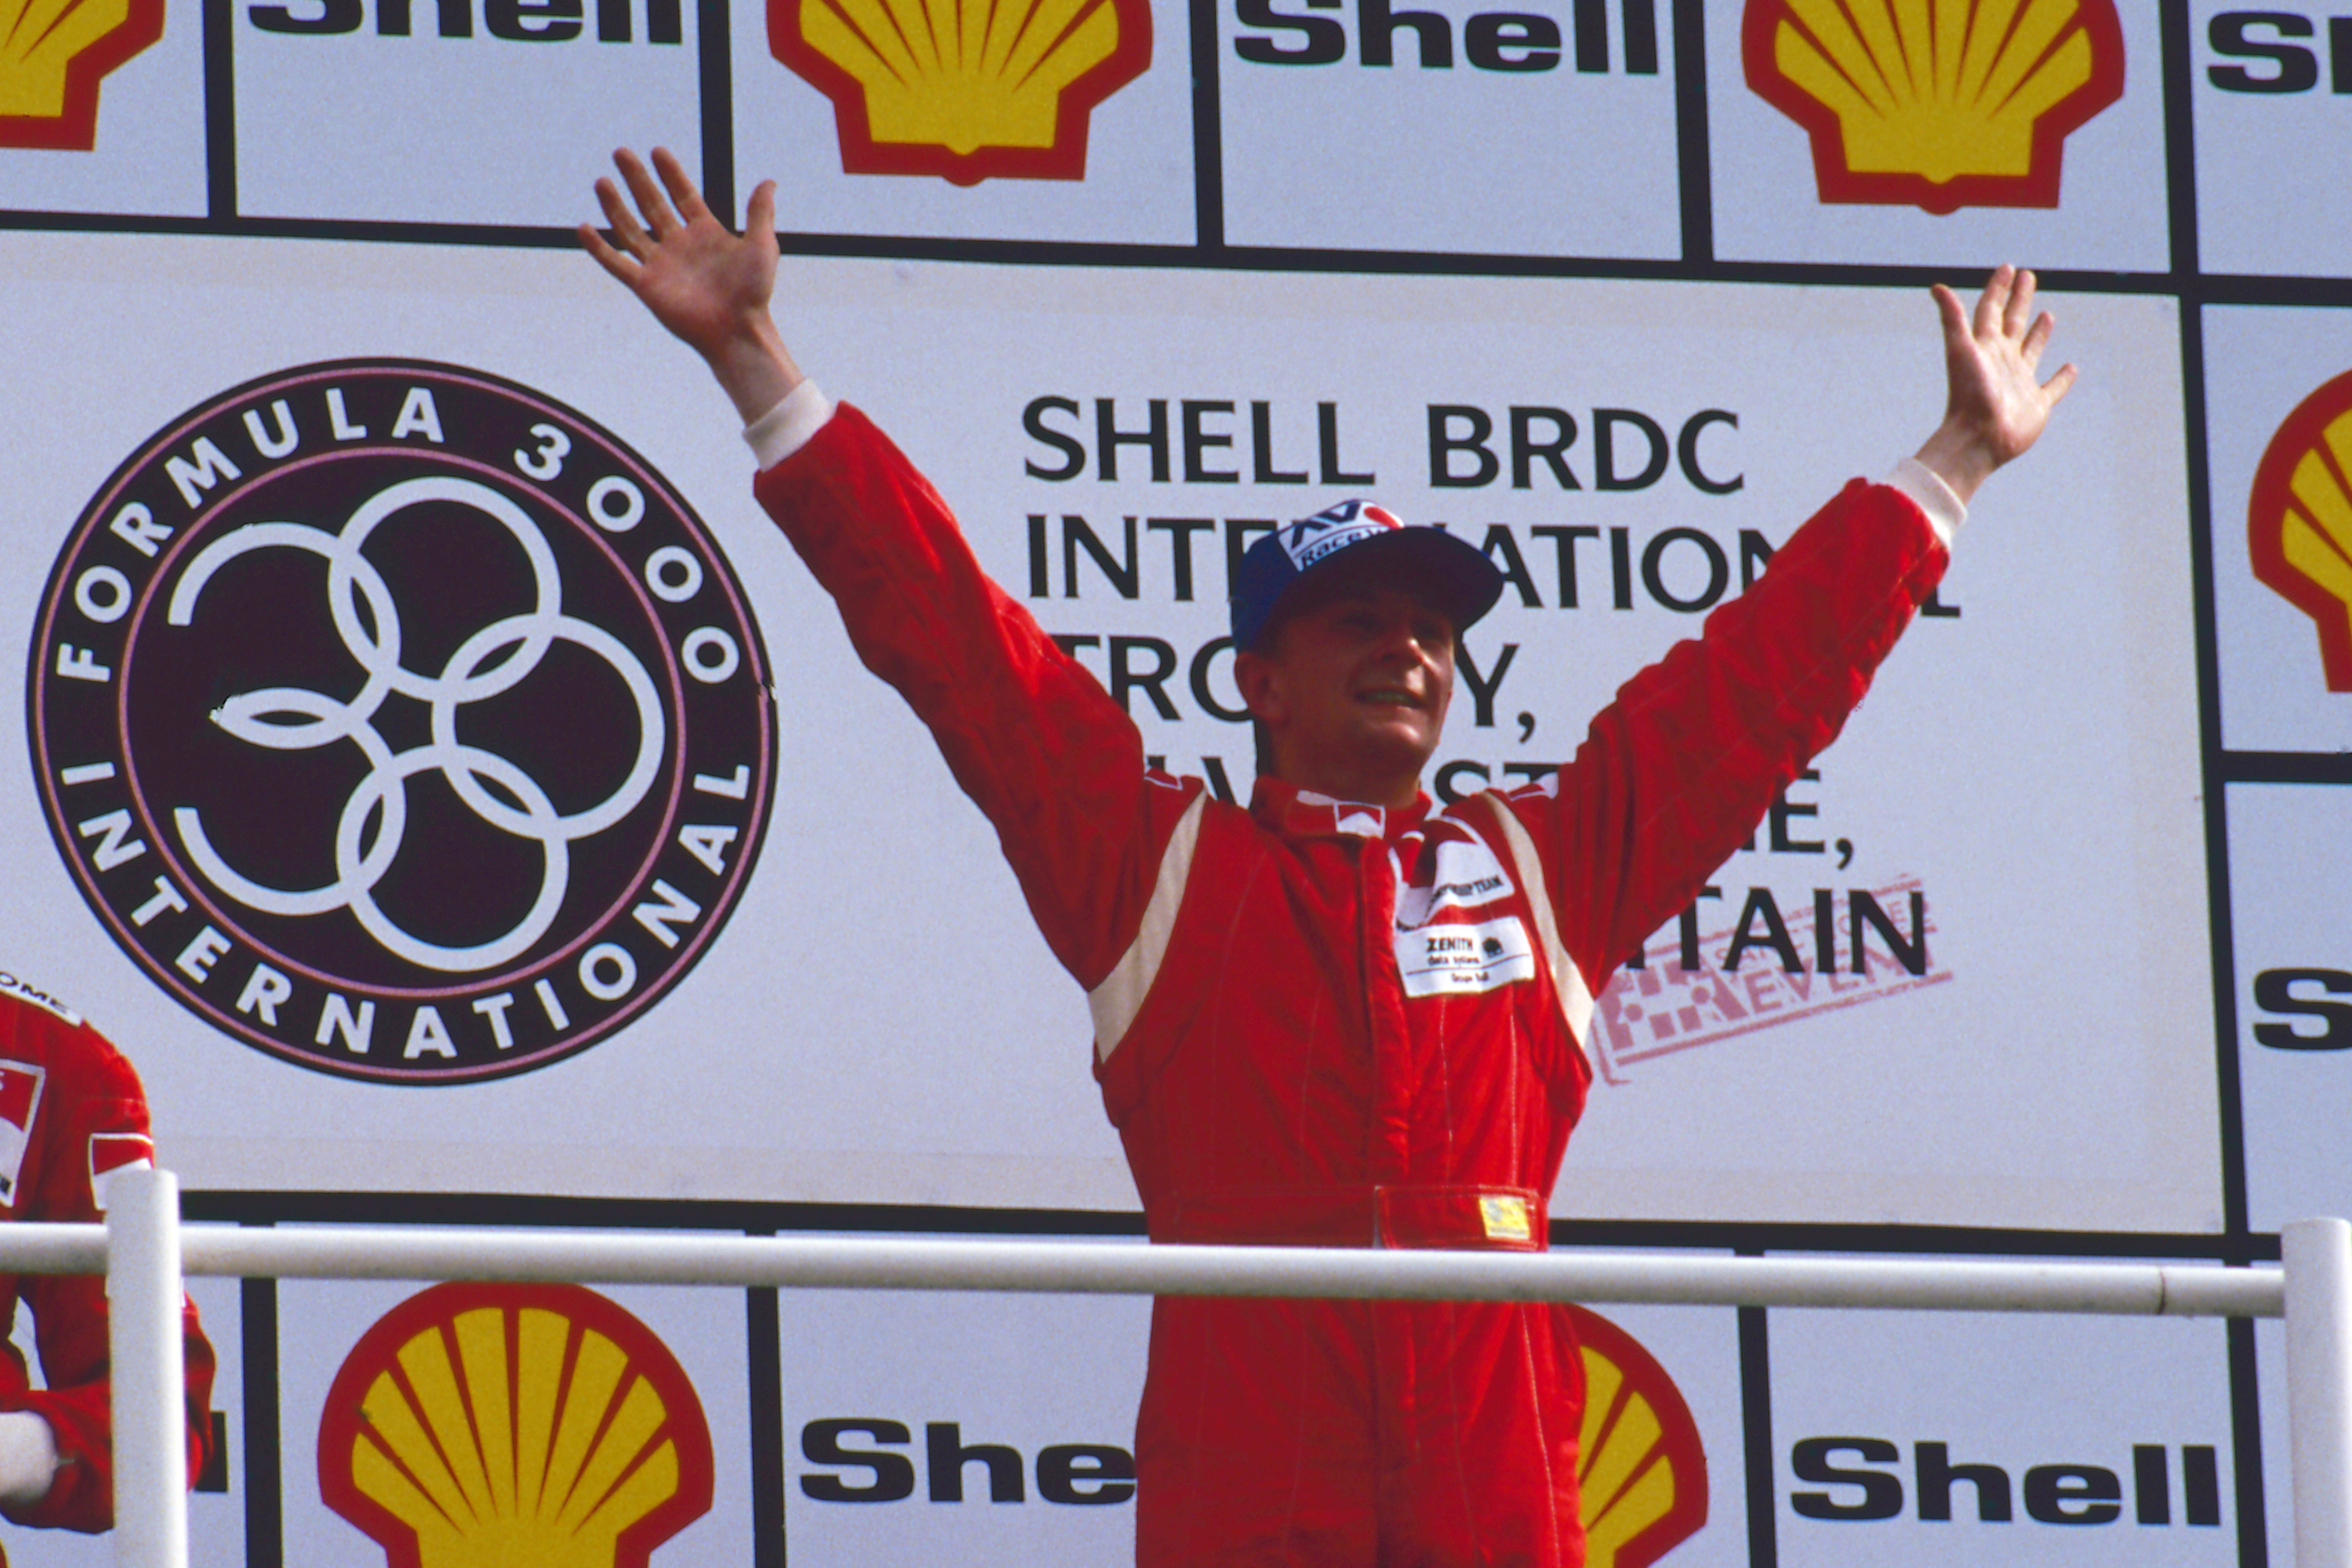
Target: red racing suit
x,y
1325,1024
71,1114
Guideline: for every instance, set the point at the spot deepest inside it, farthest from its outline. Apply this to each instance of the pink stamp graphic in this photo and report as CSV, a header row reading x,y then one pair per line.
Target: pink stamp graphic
x,y
1863,947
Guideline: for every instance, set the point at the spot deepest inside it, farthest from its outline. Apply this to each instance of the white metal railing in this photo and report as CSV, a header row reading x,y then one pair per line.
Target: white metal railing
x,y
144,1253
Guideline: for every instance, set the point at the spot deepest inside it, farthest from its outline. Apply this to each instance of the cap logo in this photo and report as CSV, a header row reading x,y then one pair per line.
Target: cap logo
x,y
1311,539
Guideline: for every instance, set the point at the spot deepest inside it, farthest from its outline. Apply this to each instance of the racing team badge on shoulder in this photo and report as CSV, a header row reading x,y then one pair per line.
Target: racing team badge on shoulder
x,y
401,722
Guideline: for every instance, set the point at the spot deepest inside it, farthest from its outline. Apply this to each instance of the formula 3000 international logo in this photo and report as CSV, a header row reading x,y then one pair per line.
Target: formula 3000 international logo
x,y
401,722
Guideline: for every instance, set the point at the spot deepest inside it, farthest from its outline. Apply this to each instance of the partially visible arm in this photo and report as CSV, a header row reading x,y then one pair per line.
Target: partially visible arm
x,y
1675,774
92,1093
1053,763
1031,736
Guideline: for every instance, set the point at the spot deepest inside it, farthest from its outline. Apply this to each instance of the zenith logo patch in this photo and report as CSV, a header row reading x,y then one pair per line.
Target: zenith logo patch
x,y
401,722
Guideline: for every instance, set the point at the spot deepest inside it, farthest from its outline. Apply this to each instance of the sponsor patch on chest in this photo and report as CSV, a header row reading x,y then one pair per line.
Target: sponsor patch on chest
x,y
1462,875
1441,958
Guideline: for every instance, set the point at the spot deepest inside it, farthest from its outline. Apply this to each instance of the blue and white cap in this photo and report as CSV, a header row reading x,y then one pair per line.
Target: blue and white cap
x,y
1426,559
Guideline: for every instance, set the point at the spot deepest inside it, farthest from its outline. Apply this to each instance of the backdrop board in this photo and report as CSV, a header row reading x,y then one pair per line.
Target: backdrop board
x,y
453,794
1822,147
1121,173
2278,691
1531,133
923,1427
1001,1113
527,97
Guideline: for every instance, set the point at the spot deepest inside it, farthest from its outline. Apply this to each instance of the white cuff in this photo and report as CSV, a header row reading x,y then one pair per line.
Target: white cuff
x,y
28,1459
786,428
1946,512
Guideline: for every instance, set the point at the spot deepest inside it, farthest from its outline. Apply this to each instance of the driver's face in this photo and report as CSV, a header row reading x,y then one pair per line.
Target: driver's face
x,y
1355,688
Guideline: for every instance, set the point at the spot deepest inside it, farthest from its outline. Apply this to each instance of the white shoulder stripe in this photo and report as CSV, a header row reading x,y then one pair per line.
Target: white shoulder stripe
x,y
1119,997
1567,980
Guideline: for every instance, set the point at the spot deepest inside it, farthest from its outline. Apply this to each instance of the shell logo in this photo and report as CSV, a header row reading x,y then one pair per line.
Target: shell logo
x,y
2299,525
1940,105
53,55
965,90
514,1426
1643,1478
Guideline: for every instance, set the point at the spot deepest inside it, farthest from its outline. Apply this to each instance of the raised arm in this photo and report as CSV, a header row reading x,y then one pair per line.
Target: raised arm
x,y
1055,764
1678,771
1994,408
709,287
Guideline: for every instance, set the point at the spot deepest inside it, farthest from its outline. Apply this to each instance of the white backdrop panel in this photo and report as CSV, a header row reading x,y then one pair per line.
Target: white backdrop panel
x,y
2274,132
2015,1394
1138,188
879,1023
2289,909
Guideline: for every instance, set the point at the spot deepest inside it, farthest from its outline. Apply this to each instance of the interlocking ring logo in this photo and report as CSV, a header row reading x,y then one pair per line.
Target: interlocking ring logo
x,y
401,722
295,718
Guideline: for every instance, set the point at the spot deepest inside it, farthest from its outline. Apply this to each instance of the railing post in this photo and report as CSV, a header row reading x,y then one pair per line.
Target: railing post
x,y
143,1292
2318,1257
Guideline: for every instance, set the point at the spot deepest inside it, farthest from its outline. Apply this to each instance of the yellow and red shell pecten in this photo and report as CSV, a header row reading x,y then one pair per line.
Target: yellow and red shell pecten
x,y
514,1426
965,90
2299,521
1936,103
1641,1472
53,55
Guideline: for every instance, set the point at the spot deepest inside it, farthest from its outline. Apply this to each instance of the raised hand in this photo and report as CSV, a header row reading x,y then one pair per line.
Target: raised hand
x,y
1995,406
709,287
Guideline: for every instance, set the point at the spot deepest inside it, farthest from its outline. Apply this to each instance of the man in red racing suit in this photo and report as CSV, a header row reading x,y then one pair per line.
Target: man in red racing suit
x,y
1339,1017
71,1115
